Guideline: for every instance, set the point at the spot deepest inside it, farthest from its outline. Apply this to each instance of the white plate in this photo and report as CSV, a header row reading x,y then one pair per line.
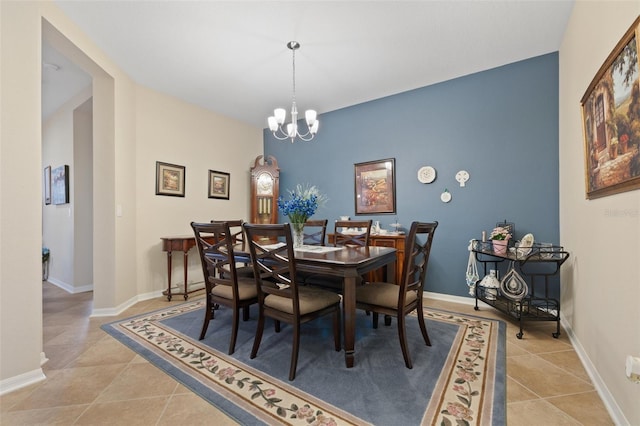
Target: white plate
x,y
524,248
426,174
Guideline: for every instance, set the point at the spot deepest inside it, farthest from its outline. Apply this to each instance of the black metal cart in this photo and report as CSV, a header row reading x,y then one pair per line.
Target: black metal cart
x,y
537,265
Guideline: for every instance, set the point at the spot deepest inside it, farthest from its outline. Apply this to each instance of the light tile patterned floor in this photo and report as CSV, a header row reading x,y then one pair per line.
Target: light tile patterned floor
x,y
94,380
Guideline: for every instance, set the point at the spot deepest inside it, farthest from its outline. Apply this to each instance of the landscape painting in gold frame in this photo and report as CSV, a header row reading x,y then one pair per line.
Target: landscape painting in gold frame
x,y
611,121
375,187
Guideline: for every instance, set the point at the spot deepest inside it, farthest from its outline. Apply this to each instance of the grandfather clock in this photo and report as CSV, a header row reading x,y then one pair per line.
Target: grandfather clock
x,y
265,185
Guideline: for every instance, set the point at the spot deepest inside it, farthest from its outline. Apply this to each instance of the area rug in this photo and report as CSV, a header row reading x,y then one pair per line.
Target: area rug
x,y
459,380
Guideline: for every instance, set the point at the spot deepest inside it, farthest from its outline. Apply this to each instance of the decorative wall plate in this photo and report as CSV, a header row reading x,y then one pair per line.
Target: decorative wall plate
x,y
445,196
462,176
426,174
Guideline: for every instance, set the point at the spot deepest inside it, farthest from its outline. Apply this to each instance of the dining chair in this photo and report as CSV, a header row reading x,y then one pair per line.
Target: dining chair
x,y
239,243
286,301
346,233
399,300
352,232
223,286
315,232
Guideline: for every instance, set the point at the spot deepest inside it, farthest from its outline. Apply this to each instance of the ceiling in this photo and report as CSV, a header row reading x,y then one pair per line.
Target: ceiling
x,y
231,56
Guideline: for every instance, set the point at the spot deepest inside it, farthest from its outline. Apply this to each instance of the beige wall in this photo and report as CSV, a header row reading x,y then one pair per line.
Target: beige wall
x,y
601,283
60,141
175,132
127,265
20,193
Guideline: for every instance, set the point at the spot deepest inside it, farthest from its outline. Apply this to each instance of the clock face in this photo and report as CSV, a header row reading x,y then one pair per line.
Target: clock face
x,y
265,184
426,174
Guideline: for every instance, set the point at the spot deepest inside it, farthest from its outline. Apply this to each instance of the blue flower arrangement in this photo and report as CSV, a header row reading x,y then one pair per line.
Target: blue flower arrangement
x,y
302,204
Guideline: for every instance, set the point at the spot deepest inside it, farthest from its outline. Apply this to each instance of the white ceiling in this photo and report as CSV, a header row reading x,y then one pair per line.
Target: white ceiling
x,y
231,57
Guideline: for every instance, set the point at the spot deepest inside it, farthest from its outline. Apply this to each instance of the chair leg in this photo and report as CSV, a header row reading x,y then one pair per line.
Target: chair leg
x,y
375,320
294,351
402,333
234,330
245,313
258,338
337,337
208,316
423,326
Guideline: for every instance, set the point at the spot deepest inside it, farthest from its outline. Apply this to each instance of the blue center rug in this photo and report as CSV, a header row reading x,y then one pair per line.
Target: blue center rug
x,y
459,380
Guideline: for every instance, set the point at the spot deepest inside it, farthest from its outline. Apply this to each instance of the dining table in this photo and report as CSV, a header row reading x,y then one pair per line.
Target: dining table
x,y
349,263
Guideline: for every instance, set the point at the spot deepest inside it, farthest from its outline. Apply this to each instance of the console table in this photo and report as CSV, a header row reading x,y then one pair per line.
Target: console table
x,y
182,243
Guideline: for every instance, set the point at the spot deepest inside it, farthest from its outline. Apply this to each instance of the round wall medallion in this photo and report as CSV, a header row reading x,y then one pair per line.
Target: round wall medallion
x,y
462,176
426,174
445,197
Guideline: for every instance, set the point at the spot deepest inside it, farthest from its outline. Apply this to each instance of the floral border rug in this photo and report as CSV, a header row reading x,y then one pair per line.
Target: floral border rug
x,y
468,387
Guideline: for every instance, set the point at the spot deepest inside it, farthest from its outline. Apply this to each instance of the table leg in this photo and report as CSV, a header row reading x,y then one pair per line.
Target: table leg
x,y
169,276
349,314
186,295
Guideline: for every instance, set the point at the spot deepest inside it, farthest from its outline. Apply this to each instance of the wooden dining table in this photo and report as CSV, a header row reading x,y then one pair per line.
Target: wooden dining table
x,y
350,263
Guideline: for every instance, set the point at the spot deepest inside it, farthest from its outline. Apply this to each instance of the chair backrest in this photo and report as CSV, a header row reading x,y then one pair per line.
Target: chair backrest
x,y
237,232
215,245
346,232
315,232
417,249
273,263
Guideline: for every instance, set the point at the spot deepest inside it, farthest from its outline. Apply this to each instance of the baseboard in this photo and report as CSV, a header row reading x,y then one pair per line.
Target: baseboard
x,y
610,403
69,288
109,312
20,381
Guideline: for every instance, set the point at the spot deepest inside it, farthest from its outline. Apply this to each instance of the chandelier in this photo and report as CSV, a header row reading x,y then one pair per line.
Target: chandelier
x,y
279,114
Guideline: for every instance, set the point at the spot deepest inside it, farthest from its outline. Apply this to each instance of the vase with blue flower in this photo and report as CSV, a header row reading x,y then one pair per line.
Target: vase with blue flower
x,y
303,202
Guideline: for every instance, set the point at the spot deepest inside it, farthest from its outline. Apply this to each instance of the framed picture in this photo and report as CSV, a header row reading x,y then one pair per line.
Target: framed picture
x,y
218,184
375,187
169,179
47,185
60,185
611,121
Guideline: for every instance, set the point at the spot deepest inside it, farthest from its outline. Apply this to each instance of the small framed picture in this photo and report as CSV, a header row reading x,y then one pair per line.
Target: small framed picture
x,y
47,185
170,179
60,185
219,184
375,187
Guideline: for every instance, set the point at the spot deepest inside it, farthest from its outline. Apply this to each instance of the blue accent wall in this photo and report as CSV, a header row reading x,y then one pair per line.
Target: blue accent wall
x,y
500,125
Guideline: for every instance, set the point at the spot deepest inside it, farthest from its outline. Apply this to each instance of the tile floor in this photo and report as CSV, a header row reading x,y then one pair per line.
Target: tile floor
x,y
92,379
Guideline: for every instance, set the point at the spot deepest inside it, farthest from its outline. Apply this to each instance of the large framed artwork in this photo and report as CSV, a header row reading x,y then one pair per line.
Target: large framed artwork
x,y
170,179
375,187
47,185
611,121
219,184
60,185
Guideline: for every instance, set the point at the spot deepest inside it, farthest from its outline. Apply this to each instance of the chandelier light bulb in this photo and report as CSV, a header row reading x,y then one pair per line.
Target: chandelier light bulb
x,y
279,116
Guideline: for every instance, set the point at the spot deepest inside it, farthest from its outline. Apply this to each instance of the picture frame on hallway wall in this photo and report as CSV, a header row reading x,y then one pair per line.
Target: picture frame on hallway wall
x,y
219,184
47,185
60,185
375,187
170,179
611,121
